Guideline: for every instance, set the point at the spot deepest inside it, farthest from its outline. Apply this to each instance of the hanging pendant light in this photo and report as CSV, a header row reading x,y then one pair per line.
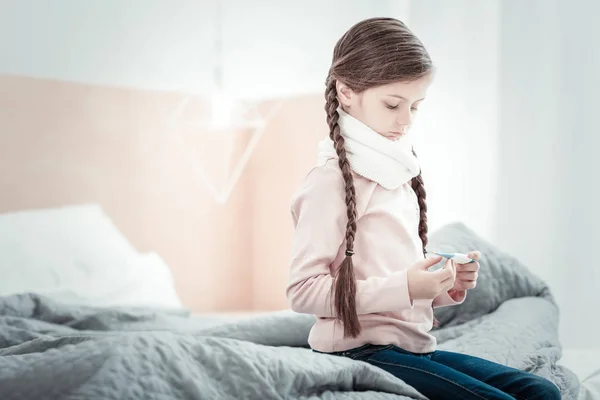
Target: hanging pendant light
x,y
219,113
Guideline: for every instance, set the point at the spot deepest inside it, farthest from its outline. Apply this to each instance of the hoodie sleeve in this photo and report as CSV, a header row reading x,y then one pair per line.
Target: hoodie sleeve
x,y
319,215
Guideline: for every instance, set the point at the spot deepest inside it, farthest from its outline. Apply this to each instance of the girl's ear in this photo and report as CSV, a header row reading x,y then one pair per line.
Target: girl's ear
x,y
344,93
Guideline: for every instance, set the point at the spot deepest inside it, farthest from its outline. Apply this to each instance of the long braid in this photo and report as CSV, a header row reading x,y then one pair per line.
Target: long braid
x,y
419,188
344,285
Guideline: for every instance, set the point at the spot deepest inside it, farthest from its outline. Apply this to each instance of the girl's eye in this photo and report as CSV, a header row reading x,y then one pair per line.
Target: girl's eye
x,y
391,107
414,109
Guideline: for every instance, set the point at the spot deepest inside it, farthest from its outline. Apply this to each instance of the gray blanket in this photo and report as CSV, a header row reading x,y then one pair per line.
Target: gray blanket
x,y
54,351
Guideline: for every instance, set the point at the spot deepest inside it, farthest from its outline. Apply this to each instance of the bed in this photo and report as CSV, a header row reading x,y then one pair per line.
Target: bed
x,y
132,339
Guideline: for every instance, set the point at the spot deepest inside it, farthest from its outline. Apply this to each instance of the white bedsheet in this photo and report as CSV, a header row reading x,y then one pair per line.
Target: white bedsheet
x,y
586,365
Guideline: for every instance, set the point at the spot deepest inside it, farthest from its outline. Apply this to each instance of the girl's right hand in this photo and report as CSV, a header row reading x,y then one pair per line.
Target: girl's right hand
x,y
423,284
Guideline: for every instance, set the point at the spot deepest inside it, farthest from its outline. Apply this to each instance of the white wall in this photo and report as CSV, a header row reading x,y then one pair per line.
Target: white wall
x,y
508,137
580,195
548,197
531,138
284,48
457,127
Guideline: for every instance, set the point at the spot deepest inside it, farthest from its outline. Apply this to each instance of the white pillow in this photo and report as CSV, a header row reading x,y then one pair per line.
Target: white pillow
x,y
141,281
77,250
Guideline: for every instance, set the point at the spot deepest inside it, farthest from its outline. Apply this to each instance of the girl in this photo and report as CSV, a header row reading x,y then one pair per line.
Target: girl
x,y
358,253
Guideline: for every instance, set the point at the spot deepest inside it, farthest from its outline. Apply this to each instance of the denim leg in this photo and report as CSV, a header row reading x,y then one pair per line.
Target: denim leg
x,y
432,379
519,384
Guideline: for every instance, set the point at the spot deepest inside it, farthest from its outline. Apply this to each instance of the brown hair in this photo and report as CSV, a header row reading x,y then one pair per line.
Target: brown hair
x,y
373,52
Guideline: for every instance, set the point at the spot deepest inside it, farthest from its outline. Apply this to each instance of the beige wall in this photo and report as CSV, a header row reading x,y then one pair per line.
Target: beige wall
x,y
66,143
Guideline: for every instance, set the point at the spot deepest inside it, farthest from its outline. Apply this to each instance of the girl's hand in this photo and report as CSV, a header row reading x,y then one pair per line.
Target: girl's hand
x,y
423,284
466,276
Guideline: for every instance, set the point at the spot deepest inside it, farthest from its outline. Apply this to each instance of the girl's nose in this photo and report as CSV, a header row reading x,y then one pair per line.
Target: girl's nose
x,y
404,118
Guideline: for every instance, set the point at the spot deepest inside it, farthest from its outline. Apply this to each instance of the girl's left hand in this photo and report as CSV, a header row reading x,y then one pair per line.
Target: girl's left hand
x,y
466,275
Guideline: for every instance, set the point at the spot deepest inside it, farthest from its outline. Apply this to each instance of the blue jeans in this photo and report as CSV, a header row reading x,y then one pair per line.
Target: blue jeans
x,y
445,375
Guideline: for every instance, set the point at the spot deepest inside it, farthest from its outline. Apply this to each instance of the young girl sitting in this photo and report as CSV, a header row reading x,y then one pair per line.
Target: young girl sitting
x,y
358,252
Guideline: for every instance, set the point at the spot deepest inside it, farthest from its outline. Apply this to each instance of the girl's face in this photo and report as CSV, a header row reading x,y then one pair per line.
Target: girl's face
x,y
388,109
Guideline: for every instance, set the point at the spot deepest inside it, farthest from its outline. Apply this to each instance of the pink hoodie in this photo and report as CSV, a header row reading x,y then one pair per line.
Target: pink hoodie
x,y
386,245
